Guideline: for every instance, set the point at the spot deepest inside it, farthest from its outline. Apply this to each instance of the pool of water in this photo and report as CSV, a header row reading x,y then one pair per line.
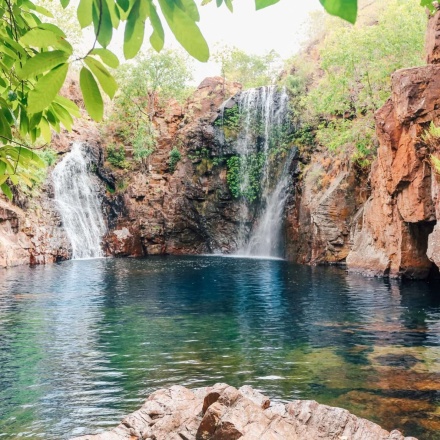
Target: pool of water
x,y
82,343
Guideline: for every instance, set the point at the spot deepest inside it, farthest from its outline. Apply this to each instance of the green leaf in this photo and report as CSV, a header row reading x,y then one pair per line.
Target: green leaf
x,y
84,13
46,89
92,95
64,3
42,62
24,122
134,29
190,8
260,4
6,191
107,57
45,38
114,13
69,105
35,120
185,30
63,115
51,27
37,8
157,38
104,77
26,156
124,4
346,9
5,128
428,4
14,45
102,22
45,130
229,5
53,120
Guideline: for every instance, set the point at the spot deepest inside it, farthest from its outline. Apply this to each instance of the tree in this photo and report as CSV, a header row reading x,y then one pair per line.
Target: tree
x,y
353,80
35,57
148,83
248,69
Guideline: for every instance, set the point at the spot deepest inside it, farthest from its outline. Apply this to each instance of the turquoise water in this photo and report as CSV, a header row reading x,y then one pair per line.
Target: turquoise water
x,y
82,343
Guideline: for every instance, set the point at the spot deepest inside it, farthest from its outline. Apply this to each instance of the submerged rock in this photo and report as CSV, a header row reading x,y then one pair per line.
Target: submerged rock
x,y
223,412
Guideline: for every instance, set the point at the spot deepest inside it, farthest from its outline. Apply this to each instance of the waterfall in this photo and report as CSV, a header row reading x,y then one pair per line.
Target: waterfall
x,y
264,125
79,204
265,239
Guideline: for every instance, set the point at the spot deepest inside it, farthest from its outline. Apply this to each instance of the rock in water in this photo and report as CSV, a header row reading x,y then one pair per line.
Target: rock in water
x,y
223,412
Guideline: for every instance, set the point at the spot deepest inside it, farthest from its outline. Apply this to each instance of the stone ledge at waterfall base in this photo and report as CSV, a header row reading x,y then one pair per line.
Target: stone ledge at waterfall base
x,y
223,412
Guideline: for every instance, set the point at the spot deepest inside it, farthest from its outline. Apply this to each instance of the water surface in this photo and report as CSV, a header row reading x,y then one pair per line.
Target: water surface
x,y
82,343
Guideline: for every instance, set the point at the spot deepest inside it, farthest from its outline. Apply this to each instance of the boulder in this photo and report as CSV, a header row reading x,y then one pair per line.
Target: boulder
x,y
223,412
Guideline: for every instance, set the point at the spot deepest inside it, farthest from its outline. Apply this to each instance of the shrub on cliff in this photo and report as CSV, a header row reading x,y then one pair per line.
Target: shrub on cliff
x,y
352,78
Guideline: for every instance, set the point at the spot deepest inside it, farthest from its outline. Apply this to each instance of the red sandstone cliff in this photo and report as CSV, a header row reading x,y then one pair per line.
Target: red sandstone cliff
x,y
397,234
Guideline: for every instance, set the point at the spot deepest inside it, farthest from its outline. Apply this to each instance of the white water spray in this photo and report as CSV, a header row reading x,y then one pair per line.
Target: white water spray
x,y
264,111
79,204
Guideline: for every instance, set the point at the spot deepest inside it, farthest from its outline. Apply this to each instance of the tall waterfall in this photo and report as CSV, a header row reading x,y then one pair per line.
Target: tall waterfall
x,y
78,204
264,125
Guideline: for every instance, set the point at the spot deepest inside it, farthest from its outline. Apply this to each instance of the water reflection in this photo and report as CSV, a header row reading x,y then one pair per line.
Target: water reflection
x,y
84,342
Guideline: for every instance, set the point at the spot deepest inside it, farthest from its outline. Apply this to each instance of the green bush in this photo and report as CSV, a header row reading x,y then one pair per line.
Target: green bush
x,y
244,176
175,157
230,118
116,156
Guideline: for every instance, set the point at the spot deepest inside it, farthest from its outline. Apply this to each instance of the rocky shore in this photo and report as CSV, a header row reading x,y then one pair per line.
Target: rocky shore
x,y
223,412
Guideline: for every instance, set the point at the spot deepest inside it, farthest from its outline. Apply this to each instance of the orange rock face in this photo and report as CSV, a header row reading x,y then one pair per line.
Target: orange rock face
x,y
396,235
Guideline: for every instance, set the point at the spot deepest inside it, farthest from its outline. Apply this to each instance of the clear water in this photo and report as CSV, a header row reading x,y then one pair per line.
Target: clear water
x,y
82,343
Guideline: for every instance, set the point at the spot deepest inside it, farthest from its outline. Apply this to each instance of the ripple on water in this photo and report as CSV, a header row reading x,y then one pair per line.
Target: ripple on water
x,y
83,343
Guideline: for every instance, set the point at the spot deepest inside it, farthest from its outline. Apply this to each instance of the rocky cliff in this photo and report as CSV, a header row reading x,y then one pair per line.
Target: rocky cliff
x,y
190,210
223,412
396,233
384,224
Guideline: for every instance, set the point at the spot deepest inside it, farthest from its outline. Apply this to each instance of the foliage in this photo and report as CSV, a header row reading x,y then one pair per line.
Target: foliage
x,y
147,85
431,138
435,162
248,69
116,156
230,118
175,157
35,57
48,155
244,176
354,81
358,61
432,135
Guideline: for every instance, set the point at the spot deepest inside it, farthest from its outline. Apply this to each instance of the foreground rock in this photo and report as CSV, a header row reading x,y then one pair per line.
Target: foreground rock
x,y
223,412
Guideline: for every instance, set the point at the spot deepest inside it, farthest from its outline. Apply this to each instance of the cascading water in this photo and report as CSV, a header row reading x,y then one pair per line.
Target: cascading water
x,y
79,204
264,122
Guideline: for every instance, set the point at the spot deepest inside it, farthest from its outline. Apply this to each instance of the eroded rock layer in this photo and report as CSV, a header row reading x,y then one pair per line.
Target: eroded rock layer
x,y
223,412
397,233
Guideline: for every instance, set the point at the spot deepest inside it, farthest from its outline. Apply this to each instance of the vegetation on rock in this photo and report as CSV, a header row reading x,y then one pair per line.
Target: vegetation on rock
x,y
352,78
175,157
146,87
250,70
36,56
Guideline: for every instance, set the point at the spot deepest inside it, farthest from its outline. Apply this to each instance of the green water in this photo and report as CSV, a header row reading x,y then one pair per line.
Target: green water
x,y
83,343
